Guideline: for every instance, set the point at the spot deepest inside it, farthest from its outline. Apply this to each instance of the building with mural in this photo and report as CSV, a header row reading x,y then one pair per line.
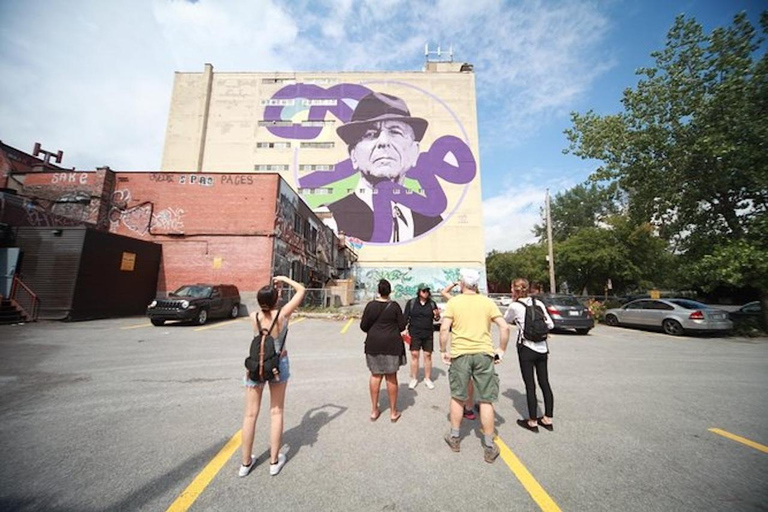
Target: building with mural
x,y
389,159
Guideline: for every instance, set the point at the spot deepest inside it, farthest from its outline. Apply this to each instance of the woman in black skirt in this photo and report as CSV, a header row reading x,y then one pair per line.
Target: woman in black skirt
x,y
384,322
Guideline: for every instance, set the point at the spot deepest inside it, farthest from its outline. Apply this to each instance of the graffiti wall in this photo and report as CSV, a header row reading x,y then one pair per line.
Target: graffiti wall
x,y
405,280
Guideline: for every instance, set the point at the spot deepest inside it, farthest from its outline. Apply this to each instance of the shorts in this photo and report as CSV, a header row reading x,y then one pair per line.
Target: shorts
x,y
425,343
284,366
479,368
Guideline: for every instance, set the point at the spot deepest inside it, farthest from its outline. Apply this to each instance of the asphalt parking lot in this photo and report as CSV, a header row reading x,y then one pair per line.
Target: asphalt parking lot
x,y
121,415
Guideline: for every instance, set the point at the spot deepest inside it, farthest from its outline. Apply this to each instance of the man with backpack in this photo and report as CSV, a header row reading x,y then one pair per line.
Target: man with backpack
x,y
533,323
420,315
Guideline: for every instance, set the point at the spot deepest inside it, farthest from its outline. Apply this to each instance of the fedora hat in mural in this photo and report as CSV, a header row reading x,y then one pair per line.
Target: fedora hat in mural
x,y
378,106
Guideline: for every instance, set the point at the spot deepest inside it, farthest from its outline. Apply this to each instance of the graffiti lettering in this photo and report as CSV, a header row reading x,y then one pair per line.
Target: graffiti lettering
x,y
236,180
339,98
70,177
161,177
194,179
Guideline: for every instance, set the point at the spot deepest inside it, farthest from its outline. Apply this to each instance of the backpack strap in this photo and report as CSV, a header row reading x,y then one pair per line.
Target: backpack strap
x,y
264,334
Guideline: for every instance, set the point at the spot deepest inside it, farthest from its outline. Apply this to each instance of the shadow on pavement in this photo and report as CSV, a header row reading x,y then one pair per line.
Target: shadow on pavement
x,y
519,401
136,500
306,432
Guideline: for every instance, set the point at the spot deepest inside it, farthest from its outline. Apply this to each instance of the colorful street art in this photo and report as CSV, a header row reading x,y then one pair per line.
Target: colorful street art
x,y
390,190
405,281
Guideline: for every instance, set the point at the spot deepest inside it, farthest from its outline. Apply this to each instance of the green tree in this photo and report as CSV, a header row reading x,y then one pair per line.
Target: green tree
x,y
689,148
528,261
584,206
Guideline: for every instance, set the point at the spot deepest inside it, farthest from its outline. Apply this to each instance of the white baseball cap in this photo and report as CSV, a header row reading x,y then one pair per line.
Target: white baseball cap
x,y
469,276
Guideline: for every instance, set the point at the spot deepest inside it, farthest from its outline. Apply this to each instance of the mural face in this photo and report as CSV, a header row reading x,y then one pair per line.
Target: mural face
x,y
391,189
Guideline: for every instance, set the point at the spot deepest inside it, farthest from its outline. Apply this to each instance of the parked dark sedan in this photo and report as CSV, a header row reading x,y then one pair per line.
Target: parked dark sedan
x,y
567,312
748,314
196,303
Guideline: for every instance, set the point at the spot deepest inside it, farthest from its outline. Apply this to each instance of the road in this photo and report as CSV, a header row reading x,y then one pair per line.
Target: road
x,y
120,415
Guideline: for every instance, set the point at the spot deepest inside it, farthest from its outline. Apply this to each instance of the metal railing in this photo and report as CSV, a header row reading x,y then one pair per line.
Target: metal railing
x,y
24,299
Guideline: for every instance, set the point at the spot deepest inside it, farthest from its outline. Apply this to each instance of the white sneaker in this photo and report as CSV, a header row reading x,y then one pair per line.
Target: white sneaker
x,y
275,468
245,470
429,383
412,384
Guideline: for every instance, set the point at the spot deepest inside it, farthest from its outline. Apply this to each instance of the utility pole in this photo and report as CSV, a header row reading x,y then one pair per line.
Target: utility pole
x,y
551,256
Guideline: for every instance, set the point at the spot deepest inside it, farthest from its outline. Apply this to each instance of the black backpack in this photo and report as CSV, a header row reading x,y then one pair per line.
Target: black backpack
x,y
263,364
536,328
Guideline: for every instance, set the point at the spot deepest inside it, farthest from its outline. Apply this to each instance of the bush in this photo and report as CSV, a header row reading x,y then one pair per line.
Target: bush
x,y
597,309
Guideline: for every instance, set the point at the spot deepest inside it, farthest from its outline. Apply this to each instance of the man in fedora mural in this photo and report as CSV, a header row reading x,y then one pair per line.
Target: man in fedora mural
x,y
383,141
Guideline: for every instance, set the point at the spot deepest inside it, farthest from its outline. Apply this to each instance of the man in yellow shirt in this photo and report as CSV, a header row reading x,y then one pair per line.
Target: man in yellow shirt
x,y
468,317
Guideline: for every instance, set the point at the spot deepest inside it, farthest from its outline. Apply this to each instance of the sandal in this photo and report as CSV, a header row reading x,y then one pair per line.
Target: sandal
x,y
525,425
395,418
375,416
547,426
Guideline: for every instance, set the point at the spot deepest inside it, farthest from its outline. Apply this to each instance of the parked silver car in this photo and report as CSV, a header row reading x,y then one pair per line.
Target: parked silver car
x,y
673,316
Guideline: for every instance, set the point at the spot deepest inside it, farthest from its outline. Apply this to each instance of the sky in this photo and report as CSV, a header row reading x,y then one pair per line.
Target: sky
x,y
94,78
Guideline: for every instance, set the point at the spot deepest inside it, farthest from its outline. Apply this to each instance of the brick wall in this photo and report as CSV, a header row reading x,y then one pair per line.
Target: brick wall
x,y
213,228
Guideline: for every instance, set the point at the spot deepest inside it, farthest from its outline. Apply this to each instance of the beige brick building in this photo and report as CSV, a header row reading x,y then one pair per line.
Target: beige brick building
x,y
407,197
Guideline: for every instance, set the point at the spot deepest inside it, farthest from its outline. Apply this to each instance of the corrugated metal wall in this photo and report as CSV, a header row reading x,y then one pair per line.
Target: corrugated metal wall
x,y
78,272
49,266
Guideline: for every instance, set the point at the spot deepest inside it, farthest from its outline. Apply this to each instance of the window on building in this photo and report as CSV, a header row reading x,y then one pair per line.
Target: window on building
x,y
298,224
264,122
316,167
326,122
278,80
278,102
270,167
318,144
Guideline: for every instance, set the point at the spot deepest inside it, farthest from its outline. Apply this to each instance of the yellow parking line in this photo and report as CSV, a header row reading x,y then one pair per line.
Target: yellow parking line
x,y
135,326
346,326
739,439
537,492
198,485
294,322
221,324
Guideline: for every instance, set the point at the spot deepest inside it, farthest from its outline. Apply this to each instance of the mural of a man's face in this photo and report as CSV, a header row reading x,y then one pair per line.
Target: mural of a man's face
x,y
387,150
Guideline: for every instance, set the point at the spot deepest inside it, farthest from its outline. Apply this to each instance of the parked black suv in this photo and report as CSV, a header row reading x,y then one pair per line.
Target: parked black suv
x,y
567,312
196,303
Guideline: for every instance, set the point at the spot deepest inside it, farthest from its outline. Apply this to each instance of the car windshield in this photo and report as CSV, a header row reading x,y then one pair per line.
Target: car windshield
x,y
195,292
688,304
562,300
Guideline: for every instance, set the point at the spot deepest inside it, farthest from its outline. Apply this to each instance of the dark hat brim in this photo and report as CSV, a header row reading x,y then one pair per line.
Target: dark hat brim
x,y
353,131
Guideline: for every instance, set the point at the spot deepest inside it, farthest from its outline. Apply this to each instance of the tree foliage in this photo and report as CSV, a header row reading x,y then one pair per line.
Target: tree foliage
x,y
690,148
584,206
528,262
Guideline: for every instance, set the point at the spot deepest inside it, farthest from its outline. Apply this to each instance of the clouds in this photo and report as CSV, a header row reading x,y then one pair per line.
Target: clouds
x,y
94,78
510,216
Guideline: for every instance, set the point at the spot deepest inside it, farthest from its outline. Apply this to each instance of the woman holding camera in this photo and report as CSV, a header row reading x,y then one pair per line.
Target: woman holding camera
x,y
274,320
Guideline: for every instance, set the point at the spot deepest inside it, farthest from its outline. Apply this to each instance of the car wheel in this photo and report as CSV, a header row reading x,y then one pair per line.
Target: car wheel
x,y
157,321
611,320
202,317
672,327
235,311
583,331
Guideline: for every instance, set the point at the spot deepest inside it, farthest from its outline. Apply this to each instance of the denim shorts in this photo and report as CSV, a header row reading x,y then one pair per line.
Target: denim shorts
x,y
284,367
